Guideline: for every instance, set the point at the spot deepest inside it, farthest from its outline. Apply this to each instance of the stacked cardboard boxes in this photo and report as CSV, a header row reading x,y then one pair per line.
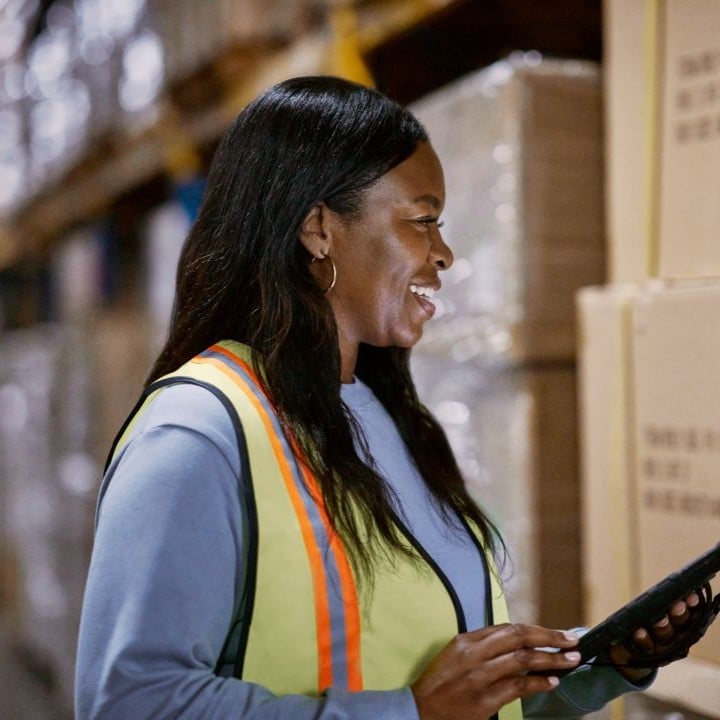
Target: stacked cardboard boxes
x,y
649,341
521,146
65,389
650,451
64,392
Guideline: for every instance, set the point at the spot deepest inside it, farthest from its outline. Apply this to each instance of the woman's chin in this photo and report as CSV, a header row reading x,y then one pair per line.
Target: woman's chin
x,y
408,338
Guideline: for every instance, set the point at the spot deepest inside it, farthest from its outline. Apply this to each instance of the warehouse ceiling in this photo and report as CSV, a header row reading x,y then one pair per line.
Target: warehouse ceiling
x,y
412,47
471,34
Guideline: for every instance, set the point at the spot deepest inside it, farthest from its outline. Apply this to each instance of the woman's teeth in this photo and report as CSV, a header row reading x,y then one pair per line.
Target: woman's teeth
x,y
422,291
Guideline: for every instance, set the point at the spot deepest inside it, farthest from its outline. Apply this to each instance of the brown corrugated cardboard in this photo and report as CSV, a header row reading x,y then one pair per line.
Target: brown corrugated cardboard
x,y
555,494
689,188
626,112
676,346
563,208
605,416
663,138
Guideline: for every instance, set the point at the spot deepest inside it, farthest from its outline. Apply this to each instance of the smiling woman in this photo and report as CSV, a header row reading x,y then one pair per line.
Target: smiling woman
x,y
389,255
283,530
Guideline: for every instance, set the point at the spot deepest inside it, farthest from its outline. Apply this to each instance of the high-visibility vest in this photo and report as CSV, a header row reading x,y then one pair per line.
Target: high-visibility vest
x,y
304,623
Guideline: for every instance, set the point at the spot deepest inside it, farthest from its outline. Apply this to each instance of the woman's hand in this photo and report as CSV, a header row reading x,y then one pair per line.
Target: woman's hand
x,y
479,672
652,640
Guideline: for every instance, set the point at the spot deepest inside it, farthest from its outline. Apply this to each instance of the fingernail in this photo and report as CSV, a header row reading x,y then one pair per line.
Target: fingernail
x,y
663,623
571,636
553,681
573,656
678,609
641,634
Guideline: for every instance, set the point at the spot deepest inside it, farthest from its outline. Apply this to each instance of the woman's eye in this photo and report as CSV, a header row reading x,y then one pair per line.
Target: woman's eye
x,y
431,221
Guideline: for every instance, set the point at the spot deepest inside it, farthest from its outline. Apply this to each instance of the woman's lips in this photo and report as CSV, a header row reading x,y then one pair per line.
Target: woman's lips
x,y
423,293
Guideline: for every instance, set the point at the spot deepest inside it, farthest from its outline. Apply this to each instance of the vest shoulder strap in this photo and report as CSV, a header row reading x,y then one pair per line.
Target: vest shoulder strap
x,y
232,652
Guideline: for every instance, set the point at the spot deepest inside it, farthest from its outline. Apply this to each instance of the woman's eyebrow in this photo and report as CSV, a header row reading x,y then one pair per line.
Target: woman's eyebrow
x,y
429,199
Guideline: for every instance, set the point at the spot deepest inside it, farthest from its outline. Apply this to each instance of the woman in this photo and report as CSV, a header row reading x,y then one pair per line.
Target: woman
x,y
282,530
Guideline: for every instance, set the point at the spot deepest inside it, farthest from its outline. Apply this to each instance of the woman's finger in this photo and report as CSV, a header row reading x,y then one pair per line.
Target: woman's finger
x,y
473,698
500,640
642,642
530,660
480,671
679,615
662,631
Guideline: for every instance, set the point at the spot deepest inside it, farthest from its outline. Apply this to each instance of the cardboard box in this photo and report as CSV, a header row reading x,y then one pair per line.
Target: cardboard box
x,y
692,683
513,431
676,346
627,107
690,153
663,138
650,387
606,496
521,146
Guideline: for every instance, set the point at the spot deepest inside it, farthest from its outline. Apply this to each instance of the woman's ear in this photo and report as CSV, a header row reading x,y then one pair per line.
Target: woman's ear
x,y
314,232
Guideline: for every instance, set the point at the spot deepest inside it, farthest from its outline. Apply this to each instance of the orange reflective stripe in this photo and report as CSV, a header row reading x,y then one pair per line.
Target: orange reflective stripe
x,y
347,583
350,603
322,612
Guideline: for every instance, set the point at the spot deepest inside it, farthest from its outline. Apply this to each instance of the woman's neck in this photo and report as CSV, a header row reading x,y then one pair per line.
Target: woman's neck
x,y
348,359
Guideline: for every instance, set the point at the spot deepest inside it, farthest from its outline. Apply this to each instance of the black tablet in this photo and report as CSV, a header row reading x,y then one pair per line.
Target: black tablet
x,y
650,607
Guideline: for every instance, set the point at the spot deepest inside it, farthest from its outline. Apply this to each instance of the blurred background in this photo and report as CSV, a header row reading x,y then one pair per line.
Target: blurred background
x,y
574,359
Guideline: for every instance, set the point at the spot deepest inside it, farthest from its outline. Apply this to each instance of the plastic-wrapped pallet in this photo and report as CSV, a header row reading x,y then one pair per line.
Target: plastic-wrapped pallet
x,y
513,432
521,146
48,491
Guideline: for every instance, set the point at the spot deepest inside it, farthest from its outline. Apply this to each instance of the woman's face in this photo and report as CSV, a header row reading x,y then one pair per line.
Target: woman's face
x,y
389,257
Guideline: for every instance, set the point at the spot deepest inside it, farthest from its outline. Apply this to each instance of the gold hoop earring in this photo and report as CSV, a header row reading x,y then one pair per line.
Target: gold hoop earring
x,y
334,277
334,271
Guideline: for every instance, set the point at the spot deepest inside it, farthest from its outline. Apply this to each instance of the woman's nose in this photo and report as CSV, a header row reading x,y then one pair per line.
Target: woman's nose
x,y
440,254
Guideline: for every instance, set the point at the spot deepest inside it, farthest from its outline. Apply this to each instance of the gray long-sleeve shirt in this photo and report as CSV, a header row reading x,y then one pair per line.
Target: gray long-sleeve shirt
x,y
169,548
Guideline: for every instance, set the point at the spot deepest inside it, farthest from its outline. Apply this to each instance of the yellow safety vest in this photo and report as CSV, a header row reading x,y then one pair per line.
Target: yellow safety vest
x,y
304,625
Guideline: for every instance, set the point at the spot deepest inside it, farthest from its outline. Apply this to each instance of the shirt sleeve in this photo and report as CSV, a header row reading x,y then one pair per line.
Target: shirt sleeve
x,y
161,589
585,690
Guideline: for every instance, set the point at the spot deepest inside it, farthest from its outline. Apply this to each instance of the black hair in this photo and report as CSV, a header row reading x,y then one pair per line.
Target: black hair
x,y
244,275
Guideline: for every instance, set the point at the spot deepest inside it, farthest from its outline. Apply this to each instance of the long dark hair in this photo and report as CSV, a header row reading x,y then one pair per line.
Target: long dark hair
x,y
244,275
